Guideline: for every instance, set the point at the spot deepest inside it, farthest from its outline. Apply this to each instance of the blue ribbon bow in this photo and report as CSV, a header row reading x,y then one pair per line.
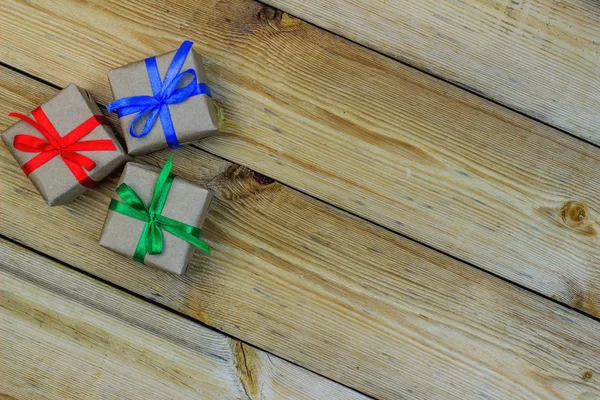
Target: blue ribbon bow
x,y
165,92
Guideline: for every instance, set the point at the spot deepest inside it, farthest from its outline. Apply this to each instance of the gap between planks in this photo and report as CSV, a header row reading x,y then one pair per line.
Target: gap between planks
x,y
471,60
289,13
124,346
269,180
416,155
164,307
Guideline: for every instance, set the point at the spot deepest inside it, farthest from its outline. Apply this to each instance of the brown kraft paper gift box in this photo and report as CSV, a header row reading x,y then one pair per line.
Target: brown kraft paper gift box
x,y
193,119
187,203
66,111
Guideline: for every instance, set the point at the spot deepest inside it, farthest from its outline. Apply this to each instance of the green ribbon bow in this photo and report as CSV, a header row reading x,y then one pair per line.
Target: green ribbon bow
x,y
151,240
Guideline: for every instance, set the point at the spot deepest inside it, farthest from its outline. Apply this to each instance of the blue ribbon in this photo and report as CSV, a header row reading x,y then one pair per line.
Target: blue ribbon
x,y
164,93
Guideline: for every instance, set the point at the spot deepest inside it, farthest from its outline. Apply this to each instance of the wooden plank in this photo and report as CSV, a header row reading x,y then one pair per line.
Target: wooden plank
x,y
353,128
66,336
541,57
334,293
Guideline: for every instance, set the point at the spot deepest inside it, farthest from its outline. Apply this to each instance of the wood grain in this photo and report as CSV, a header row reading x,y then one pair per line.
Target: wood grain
x,y
541,57
67,336
331,292
353,128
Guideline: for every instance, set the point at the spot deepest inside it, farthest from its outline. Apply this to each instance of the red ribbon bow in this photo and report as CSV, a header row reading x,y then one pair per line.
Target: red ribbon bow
x,y
66,147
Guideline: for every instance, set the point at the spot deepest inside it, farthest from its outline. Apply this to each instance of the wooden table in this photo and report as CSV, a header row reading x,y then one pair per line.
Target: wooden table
x,y
408,206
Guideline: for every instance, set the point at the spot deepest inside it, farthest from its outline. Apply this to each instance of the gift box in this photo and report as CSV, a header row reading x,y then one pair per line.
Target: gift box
x,y
65,146
157,221
163,101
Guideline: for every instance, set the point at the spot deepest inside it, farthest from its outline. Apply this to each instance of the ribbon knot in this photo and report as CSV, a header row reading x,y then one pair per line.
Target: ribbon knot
x,y
164,93
66,147
151,239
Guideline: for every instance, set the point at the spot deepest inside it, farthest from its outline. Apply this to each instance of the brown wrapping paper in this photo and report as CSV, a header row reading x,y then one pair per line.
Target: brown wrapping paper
x,y
194,119
67,110
187,202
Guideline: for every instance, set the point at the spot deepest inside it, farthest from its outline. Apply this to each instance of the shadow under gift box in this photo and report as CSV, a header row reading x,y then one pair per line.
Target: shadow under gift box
x,y
193,119
187,203
70,108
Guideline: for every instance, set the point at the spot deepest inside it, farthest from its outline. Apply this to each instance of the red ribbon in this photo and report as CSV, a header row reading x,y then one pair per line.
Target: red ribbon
x,y
66,147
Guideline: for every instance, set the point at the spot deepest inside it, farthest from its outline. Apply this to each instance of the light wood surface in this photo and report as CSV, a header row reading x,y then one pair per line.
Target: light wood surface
x,y
67,336
334,293
353,128
541,57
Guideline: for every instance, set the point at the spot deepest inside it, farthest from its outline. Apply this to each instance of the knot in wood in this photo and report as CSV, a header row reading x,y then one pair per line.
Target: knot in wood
x,y
574,213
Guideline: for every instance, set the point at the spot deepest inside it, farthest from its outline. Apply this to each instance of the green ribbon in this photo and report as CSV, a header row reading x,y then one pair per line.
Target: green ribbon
x,y
151,240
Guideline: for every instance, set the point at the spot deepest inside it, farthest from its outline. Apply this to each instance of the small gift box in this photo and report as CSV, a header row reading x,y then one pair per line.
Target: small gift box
x,y
158,220
65,146
163,101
